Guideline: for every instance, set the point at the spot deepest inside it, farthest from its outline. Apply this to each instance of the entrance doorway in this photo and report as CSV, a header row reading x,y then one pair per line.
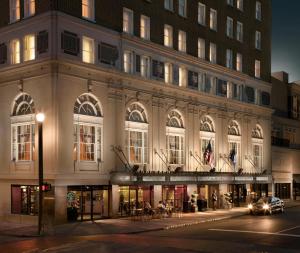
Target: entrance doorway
x,y
239,194
88,202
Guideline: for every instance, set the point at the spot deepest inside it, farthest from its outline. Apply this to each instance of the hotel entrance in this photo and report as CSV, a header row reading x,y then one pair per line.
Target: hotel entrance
x,y
88,202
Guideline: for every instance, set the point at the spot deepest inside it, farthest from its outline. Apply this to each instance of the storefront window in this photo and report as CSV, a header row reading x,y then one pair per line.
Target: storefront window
x,y
174,195
24,199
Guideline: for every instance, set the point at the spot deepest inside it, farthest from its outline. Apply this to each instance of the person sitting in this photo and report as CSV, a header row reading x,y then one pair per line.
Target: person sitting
x,y
148,209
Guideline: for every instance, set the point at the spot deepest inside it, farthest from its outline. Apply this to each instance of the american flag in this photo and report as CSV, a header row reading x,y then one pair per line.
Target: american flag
x,y
208,155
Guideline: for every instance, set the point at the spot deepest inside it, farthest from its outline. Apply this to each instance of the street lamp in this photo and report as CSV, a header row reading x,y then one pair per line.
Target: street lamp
x,y
40,117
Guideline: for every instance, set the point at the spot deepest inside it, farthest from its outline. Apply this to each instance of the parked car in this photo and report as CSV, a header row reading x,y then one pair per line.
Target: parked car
x,y
266,205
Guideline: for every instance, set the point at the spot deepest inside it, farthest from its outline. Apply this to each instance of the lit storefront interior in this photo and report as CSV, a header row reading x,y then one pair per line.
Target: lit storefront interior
x,y
24,199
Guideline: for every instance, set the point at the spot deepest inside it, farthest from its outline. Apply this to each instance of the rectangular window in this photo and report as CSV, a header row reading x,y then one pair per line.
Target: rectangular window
x,y
237,91
257,68
145,27
203,144
70,43
181,41
201,14
169,5
29,8
213,19
3,53
88,9
237,147
201,48
222,88
229,27
42,42
182,8
257,40
249,94
182,77
108,54
258,10
145,66
239,31
175,149
127,60
193,81
229,58
136,145
213,53
257,156
15,54
127,21
239,62
230,2
88,50
210,83
158,69
240,5
29,47
168,73
14,8
175,75
24,199
168,36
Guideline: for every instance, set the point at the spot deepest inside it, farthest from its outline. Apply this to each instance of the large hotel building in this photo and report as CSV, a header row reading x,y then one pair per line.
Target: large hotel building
x,y
144,101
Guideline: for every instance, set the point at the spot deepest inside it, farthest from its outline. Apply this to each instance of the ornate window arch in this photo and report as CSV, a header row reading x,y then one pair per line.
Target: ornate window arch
x,y
175,119
207,124
257,132
136,134
234,128
23,128
88,130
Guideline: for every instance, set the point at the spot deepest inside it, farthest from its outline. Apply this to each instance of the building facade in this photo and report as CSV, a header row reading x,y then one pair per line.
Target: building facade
x,y
159,101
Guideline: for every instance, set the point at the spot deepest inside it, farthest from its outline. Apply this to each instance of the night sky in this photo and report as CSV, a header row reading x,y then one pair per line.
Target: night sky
x,y
286,37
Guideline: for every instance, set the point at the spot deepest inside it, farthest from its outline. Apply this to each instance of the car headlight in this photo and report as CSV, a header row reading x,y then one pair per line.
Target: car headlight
x,y
250,206
266,206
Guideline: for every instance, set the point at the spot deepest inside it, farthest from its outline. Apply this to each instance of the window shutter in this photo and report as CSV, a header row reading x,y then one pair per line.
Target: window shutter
x,y
176,74
3,53
42,42
70,43
138,63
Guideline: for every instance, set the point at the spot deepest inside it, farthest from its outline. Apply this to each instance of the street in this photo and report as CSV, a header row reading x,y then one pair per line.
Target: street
x,y
276,233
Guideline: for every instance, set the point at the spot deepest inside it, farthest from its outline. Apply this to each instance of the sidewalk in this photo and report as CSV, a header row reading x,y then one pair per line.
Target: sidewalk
x,y
125,225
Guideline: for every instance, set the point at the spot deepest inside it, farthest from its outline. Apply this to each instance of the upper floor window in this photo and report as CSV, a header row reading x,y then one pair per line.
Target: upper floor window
x,y
229,59
29,47
230,2
168,36
257,68
239,31
145,27
168,5
201,14
128,61
182,41
15,53
88,50
88,129
182,8
240,4
213,53
258,10
213,19
182,77
257,40
127,21
14,9
29,8
201,48
168,72
239,62
23,128
142,64
88,9
229,27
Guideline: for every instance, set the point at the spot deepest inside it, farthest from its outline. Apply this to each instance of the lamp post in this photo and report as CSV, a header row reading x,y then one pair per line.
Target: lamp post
x,y
40,117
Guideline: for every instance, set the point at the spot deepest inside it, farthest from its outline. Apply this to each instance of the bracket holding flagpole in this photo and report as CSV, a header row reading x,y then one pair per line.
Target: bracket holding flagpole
x,y
196,158
161,158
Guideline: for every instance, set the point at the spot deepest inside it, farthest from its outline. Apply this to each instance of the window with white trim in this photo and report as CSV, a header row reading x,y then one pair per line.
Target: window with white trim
x,y
257,148
168,36
145,66
15,54
182,8
168,5
207,134
175,139
168,72
136,134
14,10
234,144
88,129
201,48
240,5
239,31
213,53
213,19
257,40
201,14
88,9
23,129
182,76
229,27
29,47
88,50
29,8
258,10
127,21
229,59
145,27
239,62
181,41
128,61
257,68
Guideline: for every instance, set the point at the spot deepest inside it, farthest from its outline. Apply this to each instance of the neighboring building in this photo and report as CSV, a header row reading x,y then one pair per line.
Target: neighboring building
x,y
144,101
286,136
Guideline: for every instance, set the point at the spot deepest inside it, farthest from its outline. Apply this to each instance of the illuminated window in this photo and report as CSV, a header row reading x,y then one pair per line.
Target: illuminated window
x,y
127,62
181,41
213,53
29,47
257,69
88,127
201,48
23,128
14,7
29,8
213,19
239,62
240,4
234,145
168,73
15,54
145,27
88,9
257,146
201,14
145,66
182,77
127,21
88,49
168,36
207,135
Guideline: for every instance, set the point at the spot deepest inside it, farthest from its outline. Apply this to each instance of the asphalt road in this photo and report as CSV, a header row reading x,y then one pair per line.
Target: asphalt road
x,y
276,233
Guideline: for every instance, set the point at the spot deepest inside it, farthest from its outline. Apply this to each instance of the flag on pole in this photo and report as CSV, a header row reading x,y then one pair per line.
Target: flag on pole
x,y
232,156
208,155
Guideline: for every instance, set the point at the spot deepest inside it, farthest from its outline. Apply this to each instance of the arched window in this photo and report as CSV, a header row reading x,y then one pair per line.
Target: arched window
x,y
207,141
233,128
136,134
88,128
175,138
234,143
257,132
23,128
257,147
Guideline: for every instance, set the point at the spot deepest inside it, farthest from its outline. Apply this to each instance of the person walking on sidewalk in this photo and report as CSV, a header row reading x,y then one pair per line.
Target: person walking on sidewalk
x,y
214,199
